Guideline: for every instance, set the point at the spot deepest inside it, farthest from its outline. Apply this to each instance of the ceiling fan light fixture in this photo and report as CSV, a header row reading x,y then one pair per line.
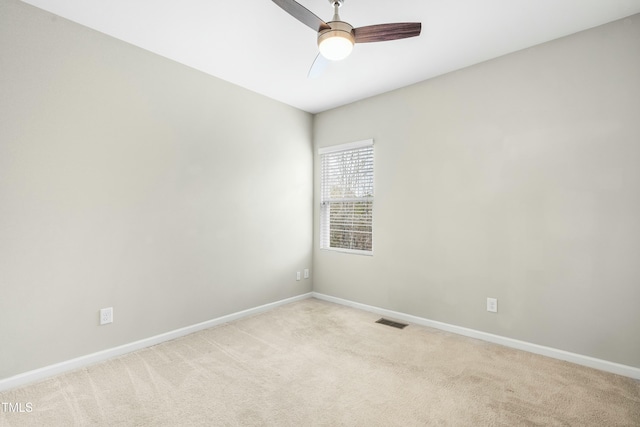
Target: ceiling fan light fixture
x,y
336,37
336,43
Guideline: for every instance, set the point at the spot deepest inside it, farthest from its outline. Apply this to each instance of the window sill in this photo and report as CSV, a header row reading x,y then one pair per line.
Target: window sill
x,y
348,251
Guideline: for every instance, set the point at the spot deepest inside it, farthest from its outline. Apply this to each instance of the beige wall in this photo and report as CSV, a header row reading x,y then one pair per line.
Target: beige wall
x,y
131,181
518,179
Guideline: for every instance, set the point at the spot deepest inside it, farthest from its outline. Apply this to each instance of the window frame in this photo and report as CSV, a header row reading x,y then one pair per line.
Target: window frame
x,y
325,225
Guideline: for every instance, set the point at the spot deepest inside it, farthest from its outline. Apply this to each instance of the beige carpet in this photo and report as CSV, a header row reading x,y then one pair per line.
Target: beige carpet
x,y
316,363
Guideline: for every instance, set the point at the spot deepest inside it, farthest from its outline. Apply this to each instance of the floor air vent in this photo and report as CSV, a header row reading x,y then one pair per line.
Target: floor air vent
x,y
388,322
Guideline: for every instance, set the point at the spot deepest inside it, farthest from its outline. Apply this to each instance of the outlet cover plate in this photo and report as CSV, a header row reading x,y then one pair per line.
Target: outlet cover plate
x,y
106,315
492,305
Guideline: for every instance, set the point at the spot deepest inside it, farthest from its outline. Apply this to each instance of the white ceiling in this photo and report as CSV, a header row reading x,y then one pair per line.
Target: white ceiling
x,y
256,45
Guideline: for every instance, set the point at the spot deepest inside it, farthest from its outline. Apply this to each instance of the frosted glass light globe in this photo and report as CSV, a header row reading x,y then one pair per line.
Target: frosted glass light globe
x,y
336,45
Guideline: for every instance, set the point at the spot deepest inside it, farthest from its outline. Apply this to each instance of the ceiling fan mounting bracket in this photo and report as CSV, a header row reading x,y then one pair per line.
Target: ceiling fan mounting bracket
x,y
337,4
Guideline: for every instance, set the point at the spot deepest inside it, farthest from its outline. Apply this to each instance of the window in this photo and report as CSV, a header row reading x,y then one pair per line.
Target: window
x,y
346,211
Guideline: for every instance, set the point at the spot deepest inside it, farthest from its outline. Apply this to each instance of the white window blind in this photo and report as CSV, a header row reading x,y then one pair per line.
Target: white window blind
x,y
346,211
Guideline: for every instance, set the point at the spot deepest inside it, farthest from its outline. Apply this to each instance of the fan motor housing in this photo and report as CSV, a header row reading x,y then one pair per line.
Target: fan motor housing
x,y
338,28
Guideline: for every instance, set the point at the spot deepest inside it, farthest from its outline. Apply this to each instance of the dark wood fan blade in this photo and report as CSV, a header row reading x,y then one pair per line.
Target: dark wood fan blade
x,y
302,14
384,32
317,68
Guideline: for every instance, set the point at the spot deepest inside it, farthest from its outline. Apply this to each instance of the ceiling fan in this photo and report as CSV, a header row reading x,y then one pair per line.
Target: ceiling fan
x,y
336,37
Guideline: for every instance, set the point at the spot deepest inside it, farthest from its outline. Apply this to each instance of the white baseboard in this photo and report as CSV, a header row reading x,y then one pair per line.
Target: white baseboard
x,y
603,365
79,362
82,361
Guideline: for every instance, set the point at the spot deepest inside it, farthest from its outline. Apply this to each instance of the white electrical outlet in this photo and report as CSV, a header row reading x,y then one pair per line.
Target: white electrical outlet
x,y
106,315
492,305
297,275
306,273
